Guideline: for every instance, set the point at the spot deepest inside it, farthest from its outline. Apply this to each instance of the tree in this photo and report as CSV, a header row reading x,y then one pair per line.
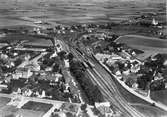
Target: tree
x,y
91,91
62,55
56,67
70,56
48,62
157,85
76,66
96,112
98,49
97,94
68,114
114,36
18,61
54,115
142,81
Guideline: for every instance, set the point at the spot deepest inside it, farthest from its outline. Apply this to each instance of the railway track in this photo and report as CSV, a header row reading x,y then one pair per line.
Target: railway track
x,y
104,81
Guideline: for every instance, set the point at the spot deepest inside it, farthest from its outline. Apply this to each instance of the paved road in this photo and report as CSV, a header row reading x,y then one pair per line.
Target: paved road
x,y
104,81
26,99
23,100
34,60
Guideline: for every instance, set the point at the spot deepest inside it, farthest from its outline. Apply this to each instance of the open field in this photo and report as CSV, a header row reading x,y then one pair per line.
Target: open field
x,y
4,101
37,106
29,40
70,12
149,111
160,96
133,40
150,46
8,111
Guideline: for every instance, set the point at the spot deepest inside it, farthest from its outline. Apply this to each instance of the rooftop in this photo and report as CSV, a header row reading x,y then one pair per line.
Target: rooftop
x,y
50,76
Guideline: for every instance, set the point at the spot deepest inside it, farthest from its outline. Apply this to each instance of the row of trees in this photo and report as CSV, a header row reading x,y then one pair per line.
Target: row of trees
x,y
91,91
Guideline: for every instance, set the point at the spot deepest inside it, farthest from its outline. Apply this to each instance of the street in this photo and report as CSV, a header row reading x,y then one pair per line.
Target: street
x,y
106,85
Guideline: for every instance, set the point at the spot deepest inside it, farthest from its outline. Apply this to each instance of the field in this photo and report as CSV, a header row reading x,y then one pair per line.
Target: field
x,y
149,111
151,46
29,113
160,96
15,12
29,40
6,110
133,40
37,106
72,12
4,101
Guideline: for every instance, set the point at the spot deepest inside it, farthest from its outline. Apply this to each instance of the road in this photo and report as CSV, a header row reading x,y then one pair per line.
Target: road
x,y
103,80
34,60
105,83
75,87
20,100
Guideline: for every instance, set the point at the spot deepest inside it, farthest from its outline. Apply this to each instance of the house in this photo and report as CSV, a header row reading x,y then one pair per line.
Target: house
x,y
118,74
154,22
126,72
110,62
135,68
54,77
3,86
124,54
66,61
59,49
115,57
22,73
102,57
34,66
53,55
105,108
2,35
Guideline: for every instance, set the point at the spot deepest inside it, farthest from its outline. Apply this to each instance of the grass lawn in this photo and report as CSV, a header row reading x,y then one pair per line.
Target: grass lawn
x,y
143,41
8,111
160,96
37,106
30,113
30,40
4,101
70,107
150,111
150,46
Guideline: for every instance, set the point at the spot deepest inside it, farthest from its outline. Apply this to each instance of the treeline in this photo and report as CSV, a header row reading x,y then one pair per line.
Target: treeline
x,y
91,91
